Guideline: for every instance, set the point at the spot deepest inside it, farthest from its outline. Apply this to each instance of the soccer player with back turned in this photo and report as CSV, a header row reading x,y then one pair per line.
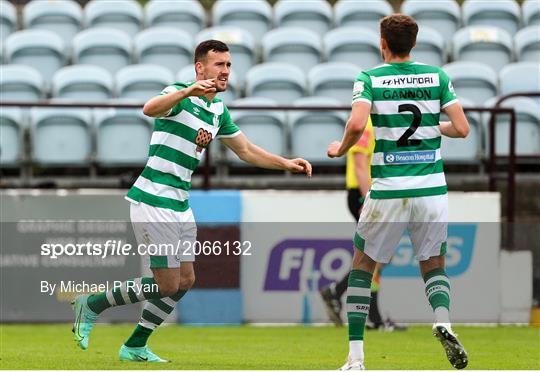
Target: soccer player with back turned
x,y
188,116
408,187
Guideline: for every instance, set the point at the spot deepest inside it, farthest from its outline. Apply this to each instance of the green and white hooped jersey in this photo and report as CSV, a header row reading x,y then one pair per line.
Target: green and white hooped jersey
x,y
406,100
176,148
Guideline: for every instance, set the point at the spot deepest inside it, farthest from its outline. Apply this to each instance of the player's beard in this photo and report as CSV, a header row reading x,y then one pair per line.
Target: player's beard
x,y
218,88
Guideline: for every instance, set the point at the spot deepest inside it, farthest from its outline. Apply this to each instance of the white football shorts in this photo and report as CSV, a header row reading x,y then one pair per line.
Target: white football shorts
x,y
165,237
383,222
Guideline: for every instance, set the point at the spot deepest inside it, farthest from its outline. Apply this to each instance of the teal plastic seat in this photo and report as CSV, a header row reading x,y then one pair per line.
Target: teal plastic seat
x,y
312,131
41,49
281,82
61,136
125,15
113,147
333,79
474,81
105,47
83,83
295,45
164,46
185,15
142,82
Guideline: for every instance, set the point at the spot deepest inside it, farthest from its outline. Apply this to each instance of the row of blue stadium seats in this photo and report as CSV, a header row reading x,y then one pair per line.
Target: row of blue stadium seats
x,y
68,137
281,82
66,17
114,49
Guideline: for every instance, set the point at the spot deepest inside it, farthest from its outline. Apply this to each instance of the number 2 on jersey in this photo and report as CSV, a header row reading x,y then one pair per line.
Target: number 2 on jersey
x,y
404,140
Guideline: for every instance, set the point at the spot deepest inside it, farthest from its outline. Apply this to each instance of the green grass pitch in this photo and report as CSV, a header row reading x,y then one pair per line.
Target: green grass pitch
x,y
52,347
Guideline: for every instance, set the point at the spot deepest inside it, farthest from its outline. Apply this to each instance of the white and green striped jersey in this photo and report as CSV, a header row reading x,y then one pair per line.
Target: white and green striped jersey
x,y
176,148
406,99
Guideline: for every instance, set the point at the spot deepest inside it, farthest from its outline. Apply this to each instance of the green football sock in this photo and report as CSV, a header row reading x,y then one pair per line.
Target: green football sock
x,y
129,292
358,299
438,292
154,313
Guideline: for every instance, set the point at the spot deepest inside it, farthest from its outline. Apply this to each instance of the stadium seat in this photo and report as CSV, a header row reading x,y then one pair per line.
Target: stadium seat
x,y
241,44
312,131
232,93
63,17
281,82
8,19
490,45
353,45
315,15
114,147
61,136
265,128
505,14
473,81
365,14
186,74
527,128
41,49
105,47
527,44
430,47
464,150
295,45
126,15
142,82
441,15
165,46
21,83
187,15
531,12
254,16
11,136
83,83
333,79
520,77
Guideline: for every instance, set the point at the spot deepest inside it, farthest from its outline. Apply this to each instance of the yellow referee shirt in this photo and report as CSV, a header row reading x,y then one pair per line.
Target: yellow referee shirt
x,y
365,145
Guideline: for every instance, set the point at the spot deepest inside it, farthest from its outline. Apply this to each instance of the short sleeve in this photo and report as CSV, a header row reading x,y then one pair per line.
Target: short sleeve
x,y
170,89
448,95
362,91
227,127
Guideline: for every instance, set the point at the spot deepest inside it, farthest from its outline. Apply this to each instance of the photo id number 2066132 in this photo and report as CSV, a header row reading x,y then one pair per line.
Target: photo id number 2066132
x,y
216,248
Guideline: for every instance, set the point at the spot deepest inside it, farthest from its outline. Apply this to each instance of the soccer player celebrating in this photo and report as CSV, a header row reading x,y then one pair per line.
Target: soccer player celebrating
x,y
188,117
408,187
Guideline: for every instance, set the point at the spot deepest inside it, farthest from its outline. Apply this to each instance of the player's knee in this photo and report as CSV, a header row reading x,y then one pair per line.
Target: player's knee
x,y
168,288
187,281
362,261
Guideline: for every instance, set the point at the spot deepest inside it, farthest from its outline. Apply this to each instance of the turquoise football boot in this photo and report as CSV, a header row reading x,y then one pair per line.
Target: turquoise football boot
x,y
84,321
139,354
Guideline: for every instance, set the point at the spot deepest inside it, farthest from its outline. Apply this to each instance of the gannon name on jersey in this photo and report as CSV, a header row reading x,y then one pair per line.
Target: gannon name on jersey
x,y
407,94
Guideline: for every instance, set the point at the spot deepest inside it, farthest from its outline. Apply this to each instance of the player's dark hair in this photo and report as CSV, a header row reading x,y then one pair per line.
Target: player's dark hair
x,y
399,31
204,47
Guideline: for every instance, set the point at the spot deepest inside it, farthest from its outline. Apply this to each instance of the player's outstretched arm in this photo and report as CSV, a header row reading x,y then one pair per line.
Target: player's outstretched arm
x,y
458,126
259,157
161,105
353,130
